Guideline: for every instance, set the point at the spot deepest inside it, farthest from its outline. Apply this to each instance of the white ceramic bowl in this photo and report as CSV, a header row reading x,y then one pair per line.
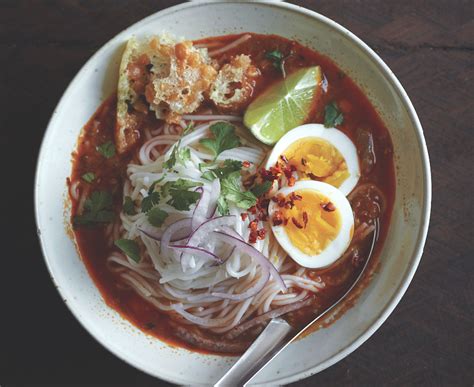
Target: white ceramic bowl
x,y
403,247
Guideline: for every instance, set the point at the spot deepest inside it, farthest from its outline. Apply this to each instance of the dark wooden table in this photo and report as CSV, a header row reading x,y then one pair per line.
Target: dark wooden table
x,y
428,340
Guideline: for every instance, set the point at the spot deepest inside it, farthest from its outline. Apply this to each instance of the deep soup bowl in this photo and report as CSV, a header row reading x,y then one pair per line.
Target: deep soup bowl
x,y
402,249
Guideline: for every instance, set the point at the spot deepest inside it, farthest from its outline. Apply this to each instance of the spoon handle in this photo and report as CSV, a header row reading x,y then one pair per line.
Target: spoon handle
x,y
273,338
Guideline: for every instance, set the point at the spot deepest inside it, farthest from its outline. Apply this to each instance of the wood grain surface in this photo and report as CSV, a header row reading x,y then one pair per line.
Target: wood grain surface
x,y
427,341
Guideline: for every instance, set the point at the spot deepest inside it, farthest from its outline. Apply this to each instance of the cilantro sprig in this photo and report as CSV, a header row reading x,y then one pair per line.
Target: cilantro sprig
x,y
261,189
88,177
332,115
156,216
130,248
224,138
106,149
178,156
227,167
97,210
128,206
278,60
232,191
179,195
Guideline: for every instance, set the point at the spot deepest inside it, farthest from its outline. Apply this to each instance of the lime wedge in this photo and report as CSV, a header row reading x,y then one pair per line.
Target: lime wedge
x,y
284,105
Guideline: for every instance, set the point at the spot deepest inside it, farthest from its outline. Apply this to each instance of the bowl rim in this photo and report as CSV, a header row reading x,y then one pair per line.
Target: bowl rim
x,y
425,211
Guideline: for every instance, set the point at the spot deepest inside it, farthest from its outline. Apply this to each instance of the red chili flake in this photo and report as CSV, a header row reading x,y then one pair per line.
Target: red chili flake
x,y
294,197
253,237
296,223
261,233
277,218
267,175
284,159
253,225
305,218
285,221
244,215
293,168
252,210
291,181
262,216
289,204
246,164
312,176
329,207
303,162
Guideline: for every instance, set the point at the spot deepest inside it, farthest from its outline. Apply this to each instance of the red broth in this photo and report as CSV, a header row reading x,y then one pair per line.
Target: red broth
x,y
359,116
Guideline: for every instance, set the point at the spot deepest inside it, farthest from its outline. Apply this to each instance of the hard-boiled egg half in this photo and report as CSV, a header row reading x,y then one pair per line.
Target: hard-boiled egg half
x,y
319,153
317,227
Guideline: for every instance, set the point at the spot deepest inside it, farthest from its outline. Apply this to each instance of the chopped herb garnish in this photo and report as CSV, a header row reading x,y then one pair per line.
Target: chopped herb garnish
x,y
261,189
232,191
130,248
332,115
97,209
88,177
278,60
224,138
222,206
209,175
150,201
178,156
129,206
181,198
156,216
225,169
107,149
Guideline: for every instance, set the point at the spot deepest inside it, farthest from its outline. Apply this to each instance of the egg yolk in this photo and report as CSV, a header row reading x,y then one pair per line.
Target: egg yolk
x,y
313,222
317,159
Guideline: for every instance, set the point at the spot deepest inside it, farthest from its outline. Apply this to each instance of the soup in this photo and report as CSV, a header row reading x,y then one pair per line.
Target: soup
x,y
229,181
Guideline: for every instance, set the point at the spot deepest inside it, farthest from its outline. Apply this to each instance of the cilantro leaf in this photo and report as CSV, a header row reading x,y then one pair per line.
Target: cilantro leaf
x,y
225,169
224,138
181,198
130,248
107,149
261,189
332,115
88,177
231,190
97,209
222,206
178,156
156,216
278,60
128,206
150,201
209,175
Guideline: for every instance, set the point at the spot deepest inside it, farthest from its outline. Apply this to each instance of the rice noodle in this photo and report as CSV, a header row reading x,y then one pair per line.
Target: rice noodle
x,y
230,46
234,296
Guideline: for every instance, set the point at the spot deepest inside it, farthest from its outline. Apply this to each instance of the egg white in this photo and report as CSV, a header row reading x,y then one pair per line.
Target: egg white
x,y
332,135
334,249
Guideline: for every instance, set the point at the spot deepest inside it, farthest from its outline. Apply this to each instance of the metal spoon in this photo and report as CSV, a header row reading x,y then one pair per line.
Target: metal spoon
x,y
277,335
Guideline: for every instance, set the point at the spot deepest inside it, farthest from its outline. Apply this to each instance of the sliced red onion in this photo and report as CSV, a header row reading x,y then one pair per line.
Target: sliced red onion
x,y
232,232
200,211
250,292
239,329
158,234
203,231
197,251
215,193
253,253
180,226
